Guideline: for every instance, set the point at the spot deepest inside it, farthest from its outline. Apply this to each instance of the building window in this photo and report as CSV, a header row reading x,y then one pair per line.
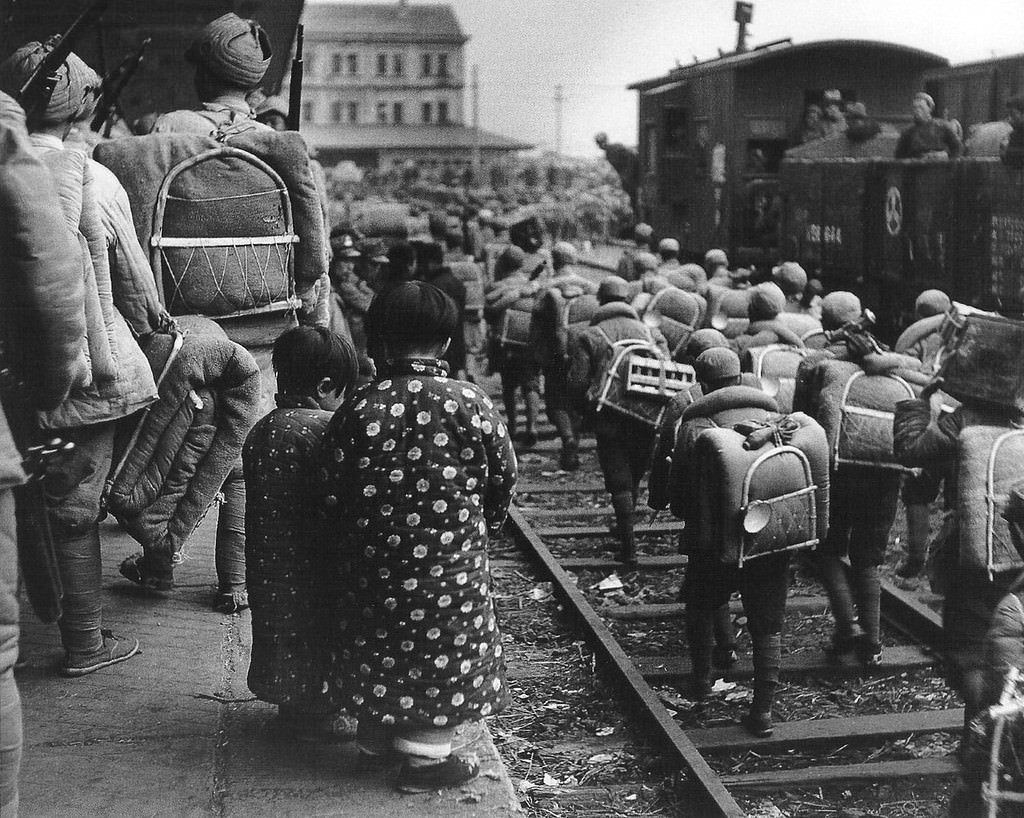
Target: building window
x,y
397,114
442,65
398,65
307,111
353,113
382,113
382,65
352,62
442,113
336,111
427,65
428,113
336,63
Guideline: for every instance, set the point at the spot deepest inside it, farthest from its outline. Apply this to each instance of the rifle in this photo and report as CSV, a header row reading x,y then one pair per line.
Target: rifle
x,y
113,86
295,86
35,94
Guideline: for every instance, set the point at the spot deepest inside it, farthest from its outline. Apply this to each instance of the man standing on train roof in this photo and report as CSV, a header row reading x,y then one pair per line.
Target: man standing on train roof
x,y
231,56
927,138
833,121
642,234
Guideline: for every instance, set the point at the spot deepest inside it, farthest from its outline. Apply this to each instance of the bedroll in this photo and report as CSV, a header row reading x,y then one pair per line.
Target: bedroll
x,y
775,366
677,314
770,497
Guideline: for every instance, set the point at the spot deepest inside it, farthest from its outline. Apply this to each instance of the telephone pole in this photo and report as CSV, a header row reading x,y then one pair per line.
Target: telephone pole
x,y
559,101
477,171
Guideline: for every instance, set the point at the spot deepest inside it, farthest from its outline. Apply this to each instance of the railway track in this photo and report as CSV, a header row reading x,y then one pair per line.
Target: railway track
x,y
560,529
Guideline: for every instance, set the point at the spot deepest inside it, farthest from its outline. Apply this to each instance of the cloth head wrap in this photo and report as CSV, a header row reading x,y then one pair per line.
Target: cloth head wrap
x,y
932,302
790,277
646,262
613,288
563,253
717,364
74,96
235,50
838,308
703,340
766,302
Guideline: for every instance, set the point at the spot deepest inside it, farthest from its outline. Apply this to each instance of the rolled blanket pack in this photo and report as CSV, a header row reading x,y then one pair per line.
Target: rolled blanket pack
x,y
989,462
776,367
857,412
175,456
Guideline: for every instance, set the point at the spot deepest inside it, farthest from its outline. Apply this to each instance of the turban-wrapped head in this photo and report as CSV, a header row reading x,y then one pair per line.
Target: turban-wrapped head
x,y
74,95
232,49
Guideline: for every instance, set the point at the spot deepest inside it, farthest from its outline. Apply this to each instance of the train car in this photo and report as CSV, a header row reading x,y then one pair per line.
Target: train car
x,y
977,91
889,228
712,135
164,81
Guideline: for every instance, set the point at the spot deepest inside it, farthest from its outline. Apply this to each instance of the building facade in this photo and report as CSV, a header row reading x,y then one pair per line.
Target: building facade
x,y
385,83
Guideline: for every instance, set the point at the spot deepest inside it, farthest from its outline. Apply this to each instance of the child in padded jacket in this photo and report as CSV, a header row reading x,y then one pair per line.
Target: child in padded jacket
x,y
285,565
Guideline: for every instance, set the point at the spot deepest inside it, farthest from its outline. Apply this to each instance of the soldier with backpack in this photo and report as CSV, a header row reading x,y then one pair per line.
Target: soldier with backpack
x,y
624,445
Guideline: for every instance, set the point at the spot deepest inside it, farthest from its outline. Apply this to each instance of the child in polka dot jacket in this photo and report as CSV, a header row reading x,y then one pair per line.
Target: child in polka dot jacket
x,y
416,469
290,596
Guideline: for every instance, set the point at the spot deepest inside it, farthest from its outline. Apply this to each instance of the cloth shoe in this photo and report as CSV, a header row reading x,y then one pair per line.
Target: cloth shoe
x,y
569,460
846,642
758,723
143,571
869,653
723,657
114,649
231,602
452,772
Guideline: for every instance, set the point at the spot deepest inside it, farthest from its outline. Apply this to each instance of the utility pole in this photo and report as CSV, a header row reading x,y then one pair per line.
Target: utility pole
x,y
559,100
477,170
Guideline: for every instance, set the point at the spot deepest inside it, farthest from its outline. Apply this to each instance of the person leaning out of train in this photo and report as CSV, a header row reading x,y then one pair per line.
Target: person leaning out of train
x,y
859,126
642,235
792,280
709,583
764,307
928,137
833,119
624,446
811,127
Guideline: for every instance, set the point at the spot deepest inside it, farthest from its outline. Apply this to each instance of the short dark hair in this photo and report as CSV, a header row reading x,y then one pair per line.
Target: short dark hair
x,y
412,313
304,356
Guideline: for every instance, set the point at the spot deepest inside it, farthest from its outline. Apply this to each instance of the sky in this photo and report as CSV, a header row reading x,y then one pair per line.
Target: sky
x,y
595,48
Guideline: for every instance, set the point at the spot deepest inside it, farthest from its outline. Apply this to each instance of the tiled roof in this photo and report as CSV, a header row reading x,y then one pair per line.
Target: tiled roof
x,y
383,22
374,137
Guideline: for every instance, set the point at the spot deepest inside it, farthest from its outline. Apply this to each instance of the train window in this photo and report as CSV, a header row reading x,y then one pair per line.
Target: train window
x,y
764,156
676,122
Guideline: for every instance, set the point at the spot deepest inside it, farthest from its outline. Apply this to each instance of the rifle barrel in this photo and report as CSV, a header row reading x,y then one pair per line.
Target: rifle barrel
x,y
295,86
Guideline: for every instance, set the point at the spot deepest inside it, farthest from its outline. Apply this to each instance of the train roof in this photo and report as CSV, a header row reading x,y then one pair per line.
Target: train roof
x,y
376,22
737,61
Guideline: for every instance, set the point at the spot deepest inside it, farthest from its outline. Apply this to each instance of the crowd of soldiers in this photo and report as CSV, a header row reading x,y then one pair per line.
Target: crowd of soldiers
x,y
411,319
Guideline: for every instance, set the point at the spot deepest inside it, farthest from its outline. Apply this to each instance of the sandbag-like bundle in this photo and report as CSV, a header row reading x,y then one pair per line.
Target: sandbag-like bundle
x,y
727,310
765,499
175,456
857,411
775,366
472,277
677,314
990,462
383,220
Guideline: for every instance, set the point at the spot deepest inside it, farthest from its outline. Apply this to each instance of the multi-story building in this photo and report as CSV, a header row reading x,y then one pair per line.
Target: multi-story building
x,y
384,83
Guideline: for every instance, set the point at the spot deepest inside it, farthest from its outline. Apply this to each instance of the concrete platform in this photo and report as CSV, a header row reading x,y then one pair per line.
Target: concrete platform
x,y
176,732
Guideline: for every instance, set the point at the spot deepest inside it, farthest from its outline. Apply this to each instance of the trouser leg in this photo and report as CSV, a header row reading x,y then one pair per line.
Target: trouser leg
x,y
837,586
917,539
767,659
74,494
508,395
700,638
724,653
230,549
867,590
532,397
10,744
765,584
623,505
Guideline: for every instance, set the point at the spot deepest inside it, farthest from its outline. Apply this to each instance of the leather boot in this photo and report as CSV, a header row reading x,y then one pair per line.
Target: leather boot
x,y
767,655
700,640
868,592
623,505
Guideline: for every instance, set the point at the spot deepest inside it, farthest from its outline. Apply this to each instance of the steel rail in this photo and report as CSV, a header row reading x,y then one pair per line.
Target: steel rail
x,y
706,787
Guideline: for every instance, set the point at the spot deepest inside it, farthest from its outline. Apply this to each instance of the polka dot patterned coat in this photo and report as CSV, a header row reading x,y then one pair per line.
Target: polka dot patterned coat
x,y
417,469
289,594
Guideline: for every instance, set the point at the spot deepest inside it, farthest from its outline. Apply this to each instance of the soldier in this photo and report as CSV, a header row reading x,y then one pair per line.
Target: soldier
x,y
764,308
40,345
627,269
668,252
833,120
120,380
231,55
716,265
792,280
624,447
549,330
709,583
